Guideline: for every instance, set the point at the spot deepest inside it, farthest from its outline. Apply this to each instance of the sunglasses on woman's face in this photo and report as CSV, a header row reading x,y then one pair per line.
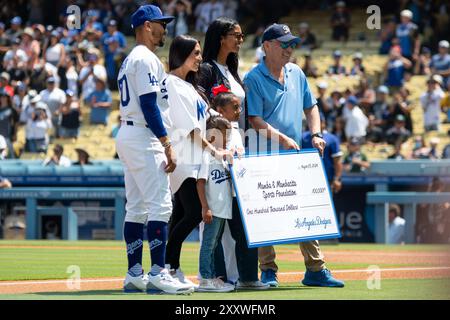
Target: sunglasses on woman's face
x,y
237,35
285,45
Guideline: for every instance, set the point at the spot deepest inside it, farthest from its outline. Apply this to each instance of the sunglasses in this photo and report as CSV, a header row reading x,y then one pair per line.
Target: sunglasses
x,y
285,45
162,23
237,35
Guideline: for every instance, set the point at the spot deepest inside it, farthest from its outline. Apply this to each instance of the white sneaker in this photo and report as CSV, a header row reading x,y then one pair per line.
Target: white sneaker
x,y
214,285
178,274
163,282
252,285
135,284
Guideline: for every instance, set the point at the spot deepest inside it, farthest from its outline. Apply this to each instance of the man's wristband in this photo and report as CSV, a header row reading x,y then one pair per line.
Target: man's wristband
x,y
166,144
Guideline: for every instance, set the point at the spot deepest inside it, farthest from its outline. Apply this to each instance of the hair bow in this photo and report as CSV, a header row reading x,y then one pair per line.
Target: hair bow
x,y
219,89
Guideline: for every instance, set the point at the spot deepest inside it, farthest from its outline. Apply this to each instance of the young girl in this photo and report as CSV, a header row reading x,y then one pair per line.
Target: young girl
x,y
214,191
229,106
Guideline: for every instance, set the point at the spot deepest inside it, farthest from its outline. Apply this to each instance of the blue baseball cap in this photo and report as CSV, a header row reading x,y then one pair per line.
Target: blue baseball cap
x,y
16,20
69,93
280,32
148,13
353,100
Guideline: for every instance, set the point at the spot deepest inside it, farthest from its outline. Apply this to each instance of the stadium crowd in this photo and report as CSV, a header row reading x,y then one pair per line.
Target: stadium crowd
x,y
48,71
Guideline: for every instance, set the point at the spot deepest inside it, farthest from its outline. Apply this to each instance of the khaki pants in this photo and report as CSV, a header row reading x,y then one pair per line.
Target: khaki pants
x,y
314,259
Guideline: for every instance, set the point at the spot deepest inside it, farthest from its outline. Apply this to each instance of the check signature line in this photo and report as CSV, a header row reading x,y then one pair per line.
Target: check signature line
x,y
317,205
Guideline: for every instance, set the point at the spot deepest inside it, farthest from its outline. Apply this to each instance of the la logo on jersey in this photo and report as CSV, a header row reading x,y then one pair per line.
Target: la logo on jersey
x,y
153,80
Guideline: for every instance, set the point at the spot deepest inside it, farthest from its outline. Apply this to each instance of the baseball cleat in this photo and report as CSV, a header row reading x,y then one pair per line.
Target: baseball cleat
x,y
163,282
133,284
321,278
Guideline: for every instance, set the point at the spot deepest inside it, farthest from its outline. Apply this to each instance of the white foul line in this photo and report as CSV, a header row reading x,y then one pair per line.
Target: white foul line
x,y
16,283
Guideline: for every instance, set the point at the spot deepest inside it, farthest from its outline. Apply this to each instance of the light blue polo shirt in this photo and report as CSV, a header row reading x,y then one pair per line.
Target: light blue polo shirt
x,y
279,105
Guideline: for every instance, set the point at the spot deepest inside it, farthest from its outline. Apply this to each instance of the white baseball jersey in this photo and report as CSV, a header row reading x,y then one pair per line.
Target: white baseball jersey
x,y
187,113
218,186
141,73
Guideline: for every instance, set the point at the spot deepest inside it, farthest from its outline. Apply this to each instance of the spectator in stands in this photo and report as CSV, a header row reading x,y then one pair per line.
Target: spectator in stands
x,y
434,143
8,120
396,231
15,58
366,96
407,34
375,133
15,29
356,122
420,150
112,31
31,47
37,129
386,35
54,98
70,116
58,159
355,161
440,62
55,53
309,68
68,75
431,103
20,99
114,56
100,102
322,103
445,103
358,68
380,104
83,157
201,16
3,148
5,42
337,68
230,8
394,70
88,74
5,85
422,66
397,155
340,22
181,10
5,183
307,38
446,150
398,132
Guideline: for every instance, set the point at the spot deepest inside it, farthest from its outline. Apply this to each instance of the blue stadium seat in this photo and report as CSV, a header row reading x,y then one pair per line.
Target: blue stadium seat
x,y
95,170
68,171
39,170
12,170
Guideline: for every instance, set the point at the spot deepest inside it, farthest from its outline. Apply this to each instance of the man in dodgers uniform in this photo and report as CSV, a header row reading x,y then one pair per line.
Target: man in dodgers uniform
x,y
145,150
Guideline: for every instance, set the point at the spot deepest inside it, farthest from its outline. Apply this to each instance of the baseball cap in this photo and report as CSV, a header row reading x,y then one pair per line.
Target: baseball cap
x,y
54,33
69,93
444,44
21,85
112,22
337,53
400,117
353,100
16,20
280,32
322,85
148,13
406,13
5,75
435,78
51,80
41,105
383,89
357,55
34,96
29,31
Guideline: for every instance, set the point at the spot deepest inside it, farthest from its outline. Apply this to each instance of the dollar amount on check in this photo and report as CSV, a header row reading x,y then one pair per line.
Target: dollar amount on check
x,y
284,198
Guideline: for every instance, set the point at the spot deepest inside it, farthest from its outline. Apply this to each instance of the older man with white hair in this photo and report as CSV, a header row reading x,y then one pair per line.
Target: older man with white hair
x,y
440,62
407,34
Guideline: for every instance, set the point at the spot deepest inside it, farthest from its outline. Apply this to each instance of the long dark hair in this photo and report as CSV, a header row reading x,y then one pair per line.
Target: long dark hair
x,y
180,49
216,30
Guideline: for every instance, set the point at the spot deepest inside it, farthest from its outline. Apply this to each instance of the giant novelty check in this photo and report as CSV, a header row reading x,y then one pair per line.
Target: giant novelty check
x,y
284,198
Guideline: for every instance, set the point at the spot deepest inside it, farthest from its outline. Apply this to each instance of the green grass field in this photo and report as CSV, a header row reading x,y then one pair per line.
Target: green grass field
x,y
42,260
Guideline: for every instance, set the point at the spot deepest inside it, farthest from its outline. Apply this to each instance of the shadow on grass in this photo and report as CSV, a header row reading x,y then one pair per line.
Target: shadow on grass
x,y
121,293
